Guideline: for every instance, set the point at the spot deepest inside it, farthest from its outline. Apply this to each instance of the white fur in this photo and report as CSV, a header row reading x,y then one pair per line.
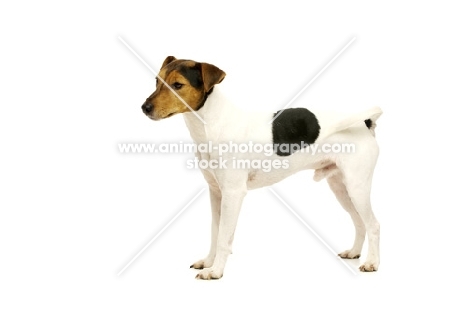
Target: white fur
x,y
349,175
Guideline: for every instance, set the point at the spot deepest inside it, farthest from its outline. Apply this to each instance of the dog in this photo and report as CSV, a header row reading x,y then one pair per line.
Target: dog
x,y
191,88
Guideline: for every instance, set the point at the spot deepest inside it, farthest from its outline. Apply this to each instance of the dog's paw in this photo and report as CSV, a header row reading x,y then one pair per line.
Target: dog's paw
x,y
349,255
201,264
369,267
209,274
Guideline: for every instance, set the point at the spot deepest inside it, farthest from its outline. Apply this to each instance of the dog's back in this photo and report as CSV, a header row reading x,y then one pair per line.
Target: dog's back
x,y
332,122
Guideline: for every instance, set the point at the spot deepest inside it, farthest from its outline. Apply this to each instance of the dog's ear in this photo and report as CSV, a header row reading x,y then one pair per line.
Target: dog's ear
x,y
211,75
168,60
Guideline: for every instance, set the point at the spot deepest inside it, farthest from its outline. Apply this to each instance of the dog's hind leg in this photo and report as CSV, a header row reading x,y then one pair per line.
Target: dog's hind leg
x,y
358,186
339,189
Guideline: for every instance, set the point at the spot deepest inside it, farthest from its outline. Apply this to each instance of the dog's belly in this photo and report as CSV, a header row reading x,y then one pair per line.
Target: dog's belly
x,y
258,178
263,177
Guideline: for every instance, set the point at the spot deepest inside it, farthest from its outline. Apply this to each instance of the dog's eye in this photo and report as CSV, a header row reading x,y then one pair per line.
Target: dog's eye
x,y
177,85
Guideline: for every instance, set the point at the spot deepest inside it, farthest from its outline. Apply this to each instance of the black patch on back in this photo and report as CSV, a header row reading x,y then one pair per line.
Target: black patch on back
x,y
294,127
193,75
368,123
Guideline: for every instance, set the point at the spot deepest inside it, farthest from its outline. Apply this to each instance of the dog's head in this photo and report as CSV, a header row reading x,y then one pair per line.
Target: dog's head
x,y
179,84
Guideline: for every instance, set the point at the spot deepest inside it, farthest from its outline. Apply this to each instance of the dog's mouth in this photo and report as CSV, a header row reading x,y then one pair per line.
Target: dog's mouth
x,y
158,118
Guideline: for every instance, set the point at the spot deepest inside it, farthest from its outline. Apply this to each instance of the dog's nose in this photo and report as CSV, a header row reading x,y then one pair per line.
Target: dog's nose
x,y
147,107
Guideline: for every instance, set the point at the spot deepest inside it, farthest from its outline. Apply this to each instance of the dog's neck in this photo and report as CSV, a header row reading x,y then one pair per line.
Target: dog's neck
x,y
219,114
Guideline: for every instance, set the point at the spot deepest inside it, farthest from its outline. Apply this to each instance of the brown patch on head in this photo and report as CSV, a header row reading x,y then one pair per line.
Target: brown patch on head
x,y
192,81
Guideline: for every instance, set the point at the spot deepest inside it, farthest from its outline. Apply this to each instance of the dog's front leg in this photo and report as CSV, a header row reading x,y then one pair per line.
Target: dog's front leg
x,y
231,203
215,198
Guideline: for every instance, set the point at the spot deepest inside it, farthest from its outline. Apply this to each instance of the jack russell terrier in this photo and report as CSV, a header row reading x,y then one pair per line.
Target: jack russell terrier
x,y
188,87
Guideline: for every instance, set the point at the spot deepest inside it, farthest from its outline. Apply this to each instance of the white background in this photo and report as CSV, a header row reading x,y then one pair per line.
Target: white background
x,y
74,211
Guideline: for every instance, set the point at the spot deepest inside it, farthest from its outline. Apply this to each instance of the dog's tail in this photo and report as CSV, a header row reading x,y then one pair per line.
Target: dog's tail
x,y
331,124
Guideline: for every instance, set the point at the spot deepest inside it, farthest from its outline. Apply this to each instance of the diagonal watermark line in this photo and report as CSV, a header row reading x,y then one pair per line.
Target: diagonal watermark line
x,y
311,230
161,79
137,56
161,231
313,79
